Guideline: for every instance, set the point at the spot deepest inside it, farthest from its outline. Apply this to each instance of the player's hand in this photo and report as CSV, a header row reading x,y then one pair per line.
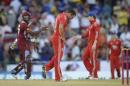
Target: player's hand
x,y
120,56
94,46
13,46
44,28
62,38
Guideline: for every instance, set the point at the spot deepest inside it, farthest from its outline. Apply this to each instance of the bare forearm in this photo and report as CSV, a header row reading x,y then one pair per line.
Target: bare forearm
x,y
61,32
15,41
37,32
62,35
96,38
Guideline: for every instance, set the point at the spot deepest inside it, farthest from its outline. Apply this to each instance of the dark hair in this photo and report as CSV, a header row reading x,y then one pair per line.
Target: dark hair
x,y
71,11
92,15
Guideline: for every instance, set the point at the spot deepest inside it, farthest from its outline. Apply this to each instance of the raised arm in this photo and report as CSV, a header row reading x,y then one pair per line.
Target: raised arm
x,y
29,30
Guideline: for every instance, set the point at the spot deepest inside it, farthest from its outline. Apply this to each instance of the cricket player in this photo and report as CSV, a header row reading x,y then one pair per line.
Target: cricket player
x,y
114,46
24,45
90,53
58,39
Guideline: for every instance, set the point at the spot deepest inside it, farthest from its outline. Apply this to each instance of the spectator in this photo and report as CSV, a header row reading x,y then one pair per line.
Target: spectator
x,y
117,7
60,5
11,18
114,28
122,17
75,51
16,5
84,22
5,28
125,37
106,10
3,16
47,19
128,2
47,52
46,6
106,21
102,43
75,24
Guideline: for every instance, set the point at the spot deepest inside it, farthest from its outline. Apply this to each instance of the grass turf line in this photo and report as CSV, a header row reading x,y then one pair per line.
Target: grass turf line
x,y
67,83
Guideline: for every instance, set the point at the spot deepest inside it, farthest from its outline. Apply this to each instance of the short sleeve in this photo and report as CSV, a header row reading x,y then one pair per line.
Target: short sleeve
x,y
97,26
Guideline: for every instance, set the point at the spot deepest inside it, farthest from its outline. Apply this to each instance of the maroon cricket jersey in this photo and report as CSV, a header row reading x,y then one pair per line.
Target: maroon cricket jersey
x,y
23,36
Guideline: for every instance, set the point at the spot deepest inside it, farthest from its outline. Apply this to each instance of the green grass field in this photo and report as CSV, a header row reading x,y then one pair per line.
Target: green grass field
x,y
67,83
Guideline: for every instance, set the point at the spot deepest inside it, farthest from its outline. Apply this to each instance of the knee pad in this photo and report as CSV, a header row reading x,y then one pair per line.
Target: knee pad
x,y
28,59
27,69
27,56
27,53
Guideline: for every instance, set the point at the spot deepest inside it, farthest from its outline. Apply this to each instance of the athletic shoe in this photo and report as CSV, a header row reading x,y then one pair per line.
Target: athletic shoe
x,y
93,78
119,78
63,79
89,77
13,74
26,78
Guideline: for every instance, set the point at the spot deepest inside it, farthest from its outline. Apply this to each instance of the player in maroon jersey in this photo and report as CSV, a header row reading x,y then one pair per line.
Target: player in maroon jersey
x,y
24,45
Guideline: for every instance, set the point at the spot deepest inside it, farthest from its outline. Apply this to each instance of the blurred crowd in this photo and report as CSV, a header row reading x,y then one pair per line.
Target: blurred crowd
x,y
112,15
